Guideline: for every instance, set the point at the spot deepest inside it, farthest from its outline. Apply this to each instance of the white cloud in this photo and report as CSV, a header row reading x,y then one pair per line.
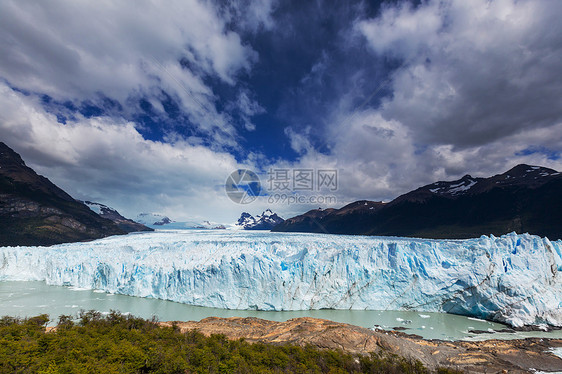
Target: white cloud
x,y
101,160
402,31
300,142
75,51
248,108
252,15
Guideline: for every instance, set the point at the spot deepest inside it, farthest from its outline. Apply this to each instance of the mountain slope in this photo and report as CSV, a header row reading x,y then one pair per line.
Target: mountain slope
x,y
33,211
523,199
125,224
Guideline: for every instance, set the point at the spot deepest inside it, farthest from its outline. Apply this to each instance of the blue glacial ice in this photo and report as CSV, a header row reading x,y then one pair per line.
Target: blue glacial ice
x,y
514,279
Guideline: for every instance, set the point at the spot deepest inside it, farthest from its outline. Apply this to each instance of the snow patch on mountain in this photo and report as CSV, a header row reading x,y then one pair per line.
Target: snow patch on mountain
x,y
95,207
107,212
454,188
103,210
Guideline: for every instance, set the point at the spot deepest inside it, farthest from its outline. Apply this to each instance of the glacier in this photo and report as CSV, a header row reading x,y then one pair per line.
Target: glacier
x,y
514,279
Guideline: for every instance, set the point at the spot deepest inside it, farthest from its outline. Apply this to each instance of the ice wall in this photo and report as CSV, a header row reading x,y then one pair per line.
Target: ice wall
x,y
514,278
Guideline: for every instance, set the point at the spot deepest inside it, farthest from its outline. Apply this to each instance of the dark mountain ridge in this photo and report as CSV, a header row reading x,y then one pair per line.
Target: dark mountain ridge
x,y
524,199
34,211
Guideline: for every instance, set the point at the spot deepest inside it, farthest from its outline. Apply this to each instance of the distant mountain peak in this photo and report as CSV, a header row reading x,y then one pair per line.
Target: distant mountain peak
x,y
265,221
160,221
520,175
246,219
153,219
125,224
524,170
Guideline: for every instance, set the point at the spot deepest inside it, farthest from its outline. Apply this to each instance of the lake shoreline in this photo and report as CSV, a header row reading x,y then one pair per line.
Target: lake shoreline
x,y
31,298
516,356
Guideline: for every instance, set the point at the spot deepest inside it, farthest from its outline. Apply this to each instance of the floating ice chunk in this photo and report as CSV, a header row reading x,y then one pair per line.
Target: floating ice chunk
x,y
557,351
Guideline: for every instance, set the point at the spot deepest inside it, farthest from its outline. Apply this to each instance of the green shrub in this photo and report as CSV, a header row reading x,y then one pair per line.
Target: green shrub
x,y
125,344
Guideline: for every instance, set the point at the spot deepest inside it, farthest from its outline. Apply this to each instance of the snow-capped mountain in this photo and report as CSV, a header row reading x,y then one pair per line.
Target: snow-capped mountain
x,y
125,224
210,225
153,219
160,221
266,221
521,175
524,199
246,219
516,279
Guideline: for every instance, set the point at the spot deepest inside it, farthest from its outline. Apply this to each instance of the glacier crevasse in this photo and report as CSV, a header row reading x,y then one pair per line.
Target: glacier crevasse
x,y
515,279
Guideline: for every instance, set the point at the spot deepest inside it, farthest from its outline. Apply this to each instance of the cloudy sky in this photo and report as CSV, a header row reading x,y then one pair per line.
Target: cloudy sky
x,y
149,106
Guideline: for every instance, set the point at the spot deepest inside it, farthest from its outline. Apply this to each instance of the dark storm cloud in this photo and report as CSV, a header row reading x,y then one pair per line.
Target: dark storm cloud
x,y
474,73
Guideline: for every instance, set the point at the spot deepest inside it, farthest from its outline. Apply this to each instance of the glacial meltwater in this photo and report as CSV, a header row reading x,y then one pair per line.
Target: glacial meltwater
x,y
26,299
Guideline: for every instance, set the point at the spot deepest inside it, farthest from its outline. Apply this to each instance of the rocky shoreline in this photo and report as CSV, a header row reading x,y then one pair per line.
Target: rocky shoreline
x,y
490,356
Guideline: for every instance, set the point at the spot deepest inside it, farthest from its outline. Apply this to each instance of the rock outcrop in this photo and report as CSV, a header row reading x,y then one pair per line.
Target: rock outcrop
x,y
491,356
